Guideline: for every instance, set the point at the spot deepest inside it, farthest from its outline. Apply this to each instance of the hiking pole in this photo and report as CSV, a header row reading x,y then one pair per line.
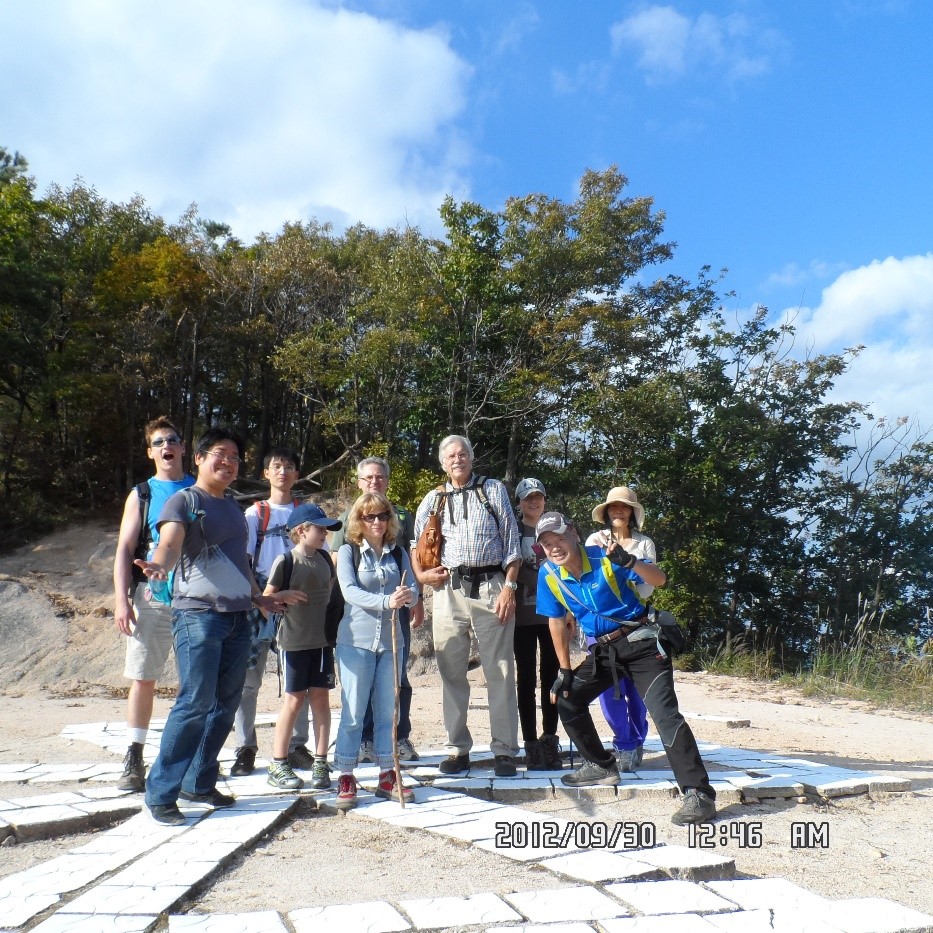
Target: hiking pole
x,y
395,711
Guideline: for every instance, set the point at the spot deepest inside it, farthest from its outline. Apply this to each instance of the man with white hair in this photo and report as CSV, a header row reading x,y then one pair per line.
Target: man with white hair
x,y
474,588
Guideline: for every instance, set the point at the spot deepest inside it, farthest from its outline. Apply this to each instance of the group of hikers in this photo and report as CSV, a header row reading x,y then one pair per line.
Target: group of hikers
x,y
512,583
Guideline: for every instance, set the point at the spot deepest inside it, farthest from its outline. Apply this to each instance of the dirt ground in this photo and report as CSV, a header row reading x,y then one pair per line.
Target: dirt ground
x,y
61,661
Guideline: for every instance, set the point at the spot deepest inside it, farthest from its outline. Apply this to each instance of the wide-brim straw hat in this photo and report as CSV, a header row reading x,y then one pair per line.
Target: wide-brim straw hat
x,y
620,494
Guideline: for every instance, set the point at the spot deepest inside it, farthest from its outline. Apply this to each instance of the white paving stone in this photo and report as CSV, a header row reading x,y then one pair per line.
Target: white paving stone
x,y
126,899
595,866
96,923
544,928
562,904
768,893
260,921
433,912
672,923
669,897
874,915
682,857
372,917
17,908
779,920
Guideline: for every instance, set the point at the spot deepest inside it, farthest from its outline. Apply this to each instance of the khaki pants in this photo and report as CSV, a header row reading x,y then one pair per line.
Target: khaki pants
x,y
454,615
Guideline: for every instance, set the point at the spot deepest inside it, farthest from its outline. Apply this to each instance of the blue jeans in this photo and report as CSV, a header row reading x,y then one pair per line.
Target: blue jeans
x,y
212,650
365,673
404,693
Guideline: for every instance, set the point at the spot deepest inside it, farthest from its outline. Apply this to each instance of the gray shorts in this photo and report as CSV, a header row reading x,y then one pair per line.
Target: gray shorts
x,y
147,649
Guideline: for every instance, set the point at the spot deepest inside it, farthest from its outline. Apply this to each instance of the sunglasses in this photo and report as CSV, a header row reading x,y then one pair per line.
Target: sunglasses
x,y
162,441
378,517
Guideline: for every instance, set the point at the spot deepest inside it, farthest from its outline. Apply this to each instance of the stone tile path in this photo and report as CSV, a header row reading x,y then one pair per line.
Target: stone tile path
x,y
132,875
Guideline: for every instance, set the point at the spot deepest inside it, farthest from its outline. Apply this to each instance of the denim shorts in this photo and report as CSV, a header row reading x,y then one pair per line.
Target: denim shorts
x,y
308,669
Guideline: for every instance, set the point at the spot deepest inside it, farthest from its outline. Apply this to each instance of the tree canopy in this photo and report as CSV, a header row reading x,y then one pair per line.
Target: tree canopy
x,y
546,331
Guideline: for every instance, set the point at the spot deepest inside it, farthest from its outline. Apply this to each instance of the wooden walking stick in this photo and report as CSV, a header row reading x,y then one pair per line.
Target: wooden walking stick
x,y
395,711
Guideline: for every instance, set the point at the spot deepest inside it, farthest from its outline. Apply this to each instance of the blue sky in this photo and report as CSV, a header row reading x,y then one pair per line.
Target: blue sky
x,y
788,142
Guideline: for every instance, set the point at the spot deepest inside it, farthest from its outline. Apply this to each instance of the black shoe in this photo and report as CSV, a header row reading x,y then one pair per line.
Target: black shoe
x,y
245,762
455,764
589,774
533,757
168,814
505,766
550,753
299,757
214,797
134,770
696,808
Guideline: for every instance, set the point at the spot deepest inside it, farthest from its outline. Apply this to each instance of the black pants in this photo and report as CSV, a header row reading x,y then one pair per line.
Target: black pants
x,y
653,677
531,641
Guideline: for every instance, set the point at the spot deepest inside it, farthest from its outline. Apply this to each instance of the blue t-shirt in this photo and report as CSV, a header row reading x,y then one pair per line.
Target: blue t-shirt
x,y
602,599
213,572
160,490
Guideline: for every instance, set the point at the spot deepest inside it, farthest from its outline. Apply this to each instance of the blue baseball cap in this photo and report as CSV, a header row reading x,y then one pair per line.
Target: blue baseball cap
x,y
309,513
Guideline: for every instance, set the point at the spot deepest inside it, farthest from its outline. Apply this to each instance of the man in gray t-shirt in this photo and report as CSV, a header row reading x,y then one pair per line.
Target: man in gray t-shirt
x,y
202,533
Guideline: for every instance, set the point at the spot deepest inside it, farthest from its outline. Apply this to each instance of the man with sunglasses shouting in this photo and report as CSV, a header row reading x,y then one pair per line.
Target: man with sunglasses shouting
x,y
203,534
143,613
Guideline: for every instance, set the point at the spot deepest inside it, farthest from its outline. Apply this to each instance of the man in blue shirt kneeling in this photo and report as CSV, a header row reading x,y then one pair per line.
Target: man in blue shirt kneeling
x,y
597,588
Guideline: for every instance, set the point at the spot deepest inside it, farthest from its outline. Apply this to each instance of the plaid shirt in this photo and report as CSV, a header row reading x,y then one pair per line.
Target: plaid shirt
x,y
473,537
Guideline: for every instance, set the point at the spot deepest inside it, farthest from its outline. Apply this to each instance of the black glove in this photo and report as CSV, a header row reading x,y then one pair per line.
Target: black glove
x,y
618,555
562,684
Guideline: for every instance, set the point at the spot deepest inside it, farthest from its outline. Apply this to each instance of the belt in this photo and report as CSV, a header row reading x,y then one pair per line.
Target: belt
x,y
468,573
621,632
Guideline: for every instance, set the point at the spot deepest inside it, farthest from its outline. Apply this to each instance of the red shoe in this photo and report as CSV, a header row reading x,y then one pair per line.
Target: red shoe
x,y
387,788
346,792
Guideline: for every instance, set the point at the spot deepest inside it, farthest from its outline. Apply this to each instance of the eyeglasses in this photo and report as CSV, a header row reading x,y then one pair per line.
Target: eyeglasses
x,y
377,478
378,517
222,457
174,440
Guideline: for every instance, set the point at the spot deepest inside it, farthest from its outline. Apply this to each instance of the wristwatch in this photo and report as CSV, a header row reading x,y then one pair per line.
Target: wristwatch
x,y
511,584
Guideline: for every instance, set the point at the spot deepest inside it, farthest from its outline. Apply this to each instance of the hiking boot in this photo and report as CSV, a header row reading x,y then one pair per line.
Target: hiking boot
x,y
214,797
168,814
388,788
281,775
505,766
696,808
406,751
455,764
367,752
550,753
300,757
590,774
134,770
534,760
629,759
346,792
320,774
244,763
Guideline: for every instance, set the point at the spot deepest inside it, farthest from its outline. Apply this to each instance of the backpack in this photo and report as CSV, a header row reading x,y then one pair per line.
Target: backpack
x,y
335,603
265,513
144,541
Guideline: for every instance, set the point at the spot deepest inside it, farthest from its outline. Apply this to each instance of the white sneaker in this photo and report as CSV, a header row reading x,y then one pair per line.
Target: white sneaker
x,y
367,753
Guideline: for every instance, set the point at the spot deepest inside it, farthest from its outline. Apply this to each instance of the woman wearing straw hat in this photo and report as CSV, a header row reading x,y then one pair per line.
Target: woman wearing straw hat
x,y
623,516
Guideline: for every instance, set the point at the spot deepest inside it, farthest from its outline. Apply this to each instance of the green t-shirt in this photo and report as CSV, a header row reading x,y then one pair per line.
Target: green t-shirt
x,y
302,625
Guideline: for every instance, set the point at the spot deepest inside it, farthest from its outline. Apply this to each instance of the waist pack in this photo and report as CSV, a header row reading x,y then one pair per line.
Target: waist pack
x,y
670,633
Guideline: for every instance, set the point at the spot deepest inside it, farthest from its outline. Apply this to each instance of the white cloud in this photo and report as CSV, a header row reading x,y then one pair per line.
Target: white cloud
x,y
886,306
669,43
793,274
259,112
